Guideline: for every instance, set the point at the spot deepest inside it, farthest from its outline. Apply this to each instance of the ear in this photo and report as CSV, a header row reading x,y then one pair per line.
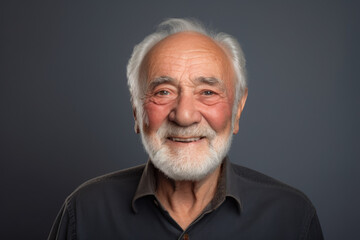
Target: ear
x,y
136,126
240,108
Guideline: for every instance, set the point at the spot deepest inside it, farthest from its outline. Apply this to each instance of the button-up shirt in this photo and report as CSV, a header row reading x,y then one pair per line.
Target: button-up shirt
x,y
246,205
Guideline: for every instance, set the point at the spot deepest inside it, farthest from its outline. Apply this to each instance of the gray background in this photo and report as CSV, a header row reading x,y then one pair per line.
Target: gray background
x,y
66,117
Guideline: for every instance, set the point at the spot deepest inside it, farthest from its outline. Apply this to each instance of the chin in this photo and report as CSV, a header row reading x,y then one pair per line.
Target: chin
x,y
187,163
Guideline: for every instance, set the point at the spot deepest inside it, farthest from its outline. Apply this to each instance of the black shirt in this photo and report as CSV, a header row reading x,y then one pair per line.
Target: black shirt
x,y
246,205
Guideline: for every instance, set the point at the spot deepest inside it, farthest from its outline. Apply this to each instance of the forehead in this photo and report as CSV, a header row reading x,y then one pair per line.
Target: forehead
x,y
187,53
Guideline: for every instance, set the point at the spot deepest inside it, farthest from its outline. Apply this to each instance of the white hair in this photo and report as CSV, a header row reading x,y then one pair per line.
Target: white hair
x,y
169,27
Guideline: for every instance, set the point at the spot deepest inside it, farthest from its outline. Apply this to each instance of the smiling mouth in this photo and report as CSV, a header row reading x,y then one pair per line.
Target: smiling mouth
x,y
185,140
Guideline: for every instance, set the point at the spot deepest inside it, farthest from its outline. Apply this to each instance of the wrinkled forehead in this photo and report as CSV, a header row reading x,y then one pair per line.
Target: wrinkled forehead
x,y
188,51
186,41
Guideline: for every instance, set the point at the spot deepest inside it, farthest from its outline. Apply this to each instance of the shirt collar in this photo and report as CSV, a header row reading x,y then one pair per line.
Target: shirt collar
x,y
147,184
228,186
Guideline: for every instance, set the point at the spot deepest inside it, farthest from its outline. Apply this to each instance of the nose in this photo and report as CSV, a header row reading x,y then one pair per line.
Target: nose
x,y
185,112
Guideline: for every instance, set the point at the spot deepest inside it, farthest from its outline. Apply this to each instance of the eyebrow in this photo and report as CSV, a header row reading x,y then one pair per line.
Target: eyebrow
x,y
208,80
160,80
212,81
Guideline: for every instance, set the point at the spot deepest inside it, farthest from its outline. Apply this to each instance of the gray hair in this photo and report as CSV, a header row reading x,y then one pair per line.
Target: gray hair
x,y
170,27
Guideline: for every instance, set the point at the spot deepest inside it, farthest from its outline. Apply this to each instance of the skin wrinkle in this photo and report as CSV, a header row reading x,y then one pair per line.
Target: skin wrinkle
x,y
194,190
207,83
186,65
162,64
183,67
159,80
222,99
198,82
203,48
212,81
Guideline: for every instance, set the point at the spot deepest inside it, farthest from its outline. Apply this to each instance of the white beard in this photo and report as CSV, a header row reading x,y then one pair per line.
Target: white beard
x,y
186,163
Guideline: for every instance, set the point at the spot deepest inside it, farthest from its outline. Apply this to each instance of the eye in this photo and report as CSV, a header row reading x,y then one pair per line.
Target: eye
x,y
163,93
208,93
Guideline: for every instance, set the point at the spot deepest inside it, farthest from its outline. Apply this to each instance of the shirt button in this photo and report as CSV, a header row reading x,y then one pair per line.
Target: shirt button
x,y
186,236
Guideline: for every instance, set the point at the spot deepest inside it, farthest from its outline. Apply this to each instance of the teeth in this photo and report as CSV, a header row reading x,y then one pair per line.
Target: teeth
x,y
185,139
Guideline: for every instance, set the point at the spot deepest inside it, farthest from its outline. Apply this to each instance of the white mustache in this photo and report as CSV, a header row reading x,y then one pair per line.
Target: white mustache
x,y
170,130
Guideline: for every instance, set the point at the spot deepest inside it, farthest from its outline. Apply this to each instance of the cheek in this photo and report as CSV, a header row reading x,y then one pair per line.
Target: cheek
x,y
218,116
156,114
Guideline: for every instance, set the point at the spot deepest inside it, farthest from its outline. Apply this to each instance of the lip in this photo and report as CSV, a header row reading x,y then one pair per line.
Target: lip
x,y
184,139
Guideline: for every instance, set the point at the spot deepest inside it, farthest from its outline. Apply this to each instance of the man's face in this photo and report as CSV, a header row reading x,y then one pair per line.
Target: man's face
x,y
188,105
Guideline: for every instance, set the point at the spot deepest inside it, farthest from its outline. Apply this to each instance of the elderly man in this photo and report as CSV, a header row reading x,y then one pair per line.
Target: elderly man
x,y
188,90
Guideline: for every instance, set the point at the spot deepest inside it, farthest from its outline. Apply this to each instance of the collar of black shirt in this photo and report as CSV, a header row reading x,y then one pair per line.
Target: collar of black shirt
x,y
228,187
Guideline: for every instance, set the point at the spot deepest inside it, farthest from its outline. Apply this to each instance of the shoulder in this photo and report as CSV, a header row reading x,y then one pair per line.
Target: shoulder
x,y
258,187
123,182
273,202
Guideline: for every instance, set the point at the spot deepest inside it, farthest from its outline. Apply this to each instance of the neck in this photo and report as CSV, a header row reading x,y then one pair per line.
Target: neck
x,y
185,200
